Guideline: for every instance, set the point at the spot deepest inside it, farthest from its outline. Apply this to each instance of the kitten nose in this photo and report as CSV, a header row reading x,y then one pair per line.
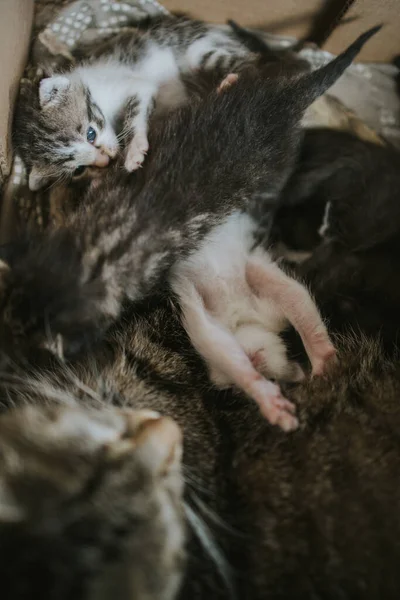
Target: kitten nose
x,y
102,159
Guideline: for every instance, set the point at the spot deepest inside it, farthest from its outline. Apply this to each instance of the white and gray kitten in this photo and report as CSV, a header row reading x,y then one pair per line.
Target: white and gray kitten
x,y
74,119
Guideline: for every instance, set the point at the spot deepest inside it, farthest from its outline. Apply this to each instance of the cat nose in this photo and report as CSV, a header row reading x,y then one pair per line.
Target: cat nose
x,y
102,159
159,438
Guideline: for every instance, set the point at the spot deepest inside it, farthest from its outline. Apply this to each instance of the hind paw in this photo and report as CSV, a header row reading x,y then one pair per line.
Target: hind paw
x,y
275,407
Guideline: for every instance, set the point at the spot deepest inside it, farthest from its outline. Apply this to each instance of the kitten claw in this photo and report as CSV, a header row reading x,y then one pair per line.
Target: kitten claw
x,y
136,154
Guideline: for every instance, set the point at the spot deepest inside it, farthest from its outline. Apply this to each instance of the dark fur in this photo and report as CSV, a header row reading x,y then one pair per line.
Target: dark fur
x,y
353,271
310,514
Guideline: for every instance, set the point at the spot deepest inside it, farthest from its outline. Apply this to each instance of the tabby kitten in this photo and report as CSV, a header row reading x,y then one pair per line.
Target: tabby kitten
x,y
90,502
210,159
74,119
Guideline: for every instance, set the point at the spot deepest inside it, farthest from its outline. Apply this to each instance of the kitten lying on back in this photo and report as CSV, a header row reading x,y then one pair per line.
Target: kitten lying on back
x,y
235,301
72,121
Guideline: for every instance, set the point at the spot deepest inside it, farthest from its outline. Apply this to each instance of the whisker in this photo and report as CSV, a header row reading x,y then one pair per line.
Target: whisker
x,y
212,549
214,517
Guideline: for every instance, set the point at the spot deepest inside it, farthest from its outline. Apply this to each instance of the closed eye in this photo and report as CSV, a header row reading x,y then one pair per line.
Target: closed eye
x,y
91,135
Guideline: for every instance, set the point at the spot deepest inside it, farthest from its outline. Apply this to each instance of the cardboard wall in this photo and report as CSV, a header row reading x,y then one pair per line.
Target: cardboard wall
x,y
288,17
367,13
15,26
295,17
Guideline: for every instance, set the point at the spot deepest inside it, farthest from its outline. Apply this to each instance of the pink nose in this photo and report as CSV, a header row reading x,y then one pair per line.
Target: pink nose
x,y
102,159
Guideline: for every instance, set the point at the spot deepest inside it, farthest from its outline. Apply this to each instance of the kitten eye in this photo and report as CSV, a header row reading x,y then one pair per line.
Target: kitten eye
x,y
91,135
79,170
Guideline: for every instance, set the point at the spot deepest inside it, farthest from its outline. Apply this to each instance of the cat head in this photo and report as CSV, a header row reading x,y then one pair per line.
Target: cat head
x,y
90,504
59,130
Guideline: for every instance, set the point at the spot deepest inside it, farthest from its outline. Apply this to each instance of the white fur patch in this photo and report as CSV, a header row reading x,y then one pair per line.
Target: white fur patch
x,y
325,220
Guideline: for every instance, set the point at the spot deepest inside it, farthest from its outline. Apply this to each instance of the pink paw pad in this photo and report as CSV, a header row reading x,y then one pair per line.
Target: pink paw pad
x,y
227,82
136,153
276,409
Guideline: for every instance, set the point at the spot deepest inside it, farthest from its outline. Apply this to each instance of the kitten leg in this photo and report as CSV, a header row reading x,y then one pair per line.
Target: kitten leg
x,y
223,353
140,109
295,302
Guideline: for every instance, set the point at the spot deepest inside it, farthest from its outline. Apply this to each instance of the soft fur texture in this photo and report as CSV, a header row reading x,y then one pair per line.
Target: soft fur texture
x,y
343,204
314,513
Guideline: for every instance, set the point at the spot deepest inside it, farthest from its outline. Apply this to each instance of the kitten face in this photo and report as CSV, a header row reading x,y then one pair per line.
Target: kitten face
x,y
87,493
64,133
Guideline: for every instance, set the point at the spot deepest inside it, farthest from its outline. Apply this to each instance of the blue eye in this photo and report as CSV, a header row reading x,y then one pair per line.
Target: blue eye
x,y
91,135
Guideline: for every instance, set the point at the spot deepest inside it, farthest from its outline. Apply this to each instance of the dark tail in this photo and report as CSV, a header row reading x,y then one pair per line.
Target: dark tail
x,y
252,41
317,82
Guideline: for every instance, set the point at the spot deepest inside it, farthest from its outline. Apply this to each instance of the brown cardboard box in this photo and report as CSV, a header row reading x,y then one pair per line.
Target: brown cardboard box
x,y
287,17
15,28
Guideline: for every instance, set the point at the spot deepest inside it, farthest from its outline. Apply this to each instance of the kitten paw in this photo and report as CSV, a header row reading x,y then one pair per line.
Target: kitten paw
x,y
137,151
274,406
227,82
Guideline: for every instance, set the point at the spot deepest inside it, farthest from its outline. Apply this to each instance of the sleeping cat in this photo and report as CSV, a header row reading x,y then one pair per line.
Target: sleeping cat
x,y
90,501
315,514
342,205
72,120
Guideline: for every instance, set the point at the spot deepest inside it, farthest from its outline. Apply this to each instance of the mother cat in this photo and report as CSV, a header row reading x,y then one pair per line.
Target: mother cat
x,y
310,515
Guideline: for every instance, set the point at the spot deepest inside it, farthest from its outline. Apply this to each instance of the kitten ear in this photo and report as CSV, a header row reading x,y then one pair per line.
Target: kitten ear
x,y
52,89
37,180
318,82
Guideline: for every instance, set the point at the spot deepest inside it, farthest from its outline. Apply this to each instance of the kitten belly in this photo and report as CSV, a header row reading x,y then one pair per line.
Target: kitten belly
x,y
223,319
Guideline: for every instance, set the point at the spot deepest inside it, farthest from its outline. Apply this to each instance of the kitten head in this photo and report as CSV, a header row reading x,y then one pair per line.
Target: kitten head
x,y
59,130
90,504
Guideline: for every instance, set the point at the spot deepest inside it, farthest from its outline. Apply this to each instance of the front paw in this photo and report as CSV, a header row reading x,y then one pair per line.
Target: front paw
x,y
137,151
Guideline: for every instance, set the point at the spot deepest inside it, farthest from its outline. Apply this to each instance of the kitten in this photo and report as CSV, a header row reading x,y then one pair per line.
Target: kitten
x,y
235,301
90,502
342,204
209,160
72,120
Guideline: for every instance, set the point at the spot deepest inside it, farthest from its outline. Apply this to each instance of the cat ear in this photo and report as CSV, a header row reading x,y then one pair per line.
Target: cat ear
x,y
52,89
317,82
37,180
